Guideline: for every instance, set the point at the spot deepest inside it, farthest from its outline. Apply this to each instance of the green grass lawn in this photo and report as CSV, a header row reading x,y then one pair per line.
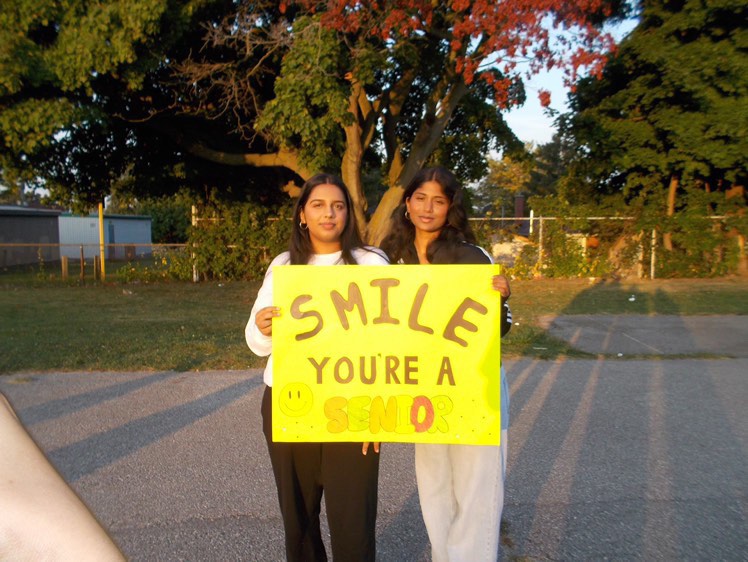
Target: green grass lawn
x,y
47,326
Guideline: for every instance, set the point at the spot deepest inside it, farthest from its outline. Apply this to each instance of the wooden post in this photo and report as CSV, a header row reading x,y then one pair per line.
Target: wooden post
x,y
64,264
83,264
101,242
640,257
195,275
653,255
540,245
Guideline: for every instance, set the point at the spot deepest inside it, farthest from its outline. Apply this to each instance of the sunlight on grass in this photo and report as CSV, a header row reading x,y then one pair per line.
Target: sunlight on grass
x,y
185,326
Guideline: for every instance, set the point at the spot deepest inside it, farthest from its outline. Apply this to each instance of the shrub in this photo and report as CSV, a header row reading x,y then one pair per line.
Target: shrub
x,y
238,241
163,265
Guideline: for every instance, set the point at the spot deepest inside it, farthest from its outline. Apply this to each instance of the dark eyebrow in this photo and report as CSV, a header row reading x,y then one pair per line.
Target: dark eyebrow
x,y
324,200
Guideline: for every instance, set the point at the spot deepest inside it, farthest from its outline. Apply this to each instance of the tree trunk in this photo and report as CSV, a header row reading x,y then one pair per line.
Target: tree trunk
x,y
351,175
667,239
379,224
742,259
350,168
400,173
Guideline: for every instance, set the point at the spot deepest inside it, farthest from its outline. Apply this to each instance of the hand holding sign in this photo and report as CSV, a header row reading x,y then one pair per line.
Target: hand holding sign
x,y
264,319
501,284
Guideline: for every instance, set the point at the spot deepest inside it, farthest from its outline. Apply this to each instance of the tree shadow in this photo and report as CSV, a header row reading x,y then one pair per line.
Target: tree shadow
x,y
632,453
99,450
53,409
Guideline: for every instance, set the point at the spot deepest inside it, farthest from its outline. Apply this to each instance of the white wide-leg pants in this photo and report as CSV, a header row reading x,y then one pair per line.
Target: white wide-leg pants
x,y
461,490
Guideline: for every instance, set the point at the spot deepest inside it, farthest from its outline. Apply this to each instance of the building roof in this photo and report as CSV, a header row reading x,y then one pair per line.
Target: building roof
x,y
109,216
18,210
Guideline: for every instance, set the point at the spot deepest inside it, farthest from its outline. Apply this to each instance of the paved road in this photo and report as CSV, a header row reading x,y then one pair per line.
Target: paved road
x,y
609,458
636,334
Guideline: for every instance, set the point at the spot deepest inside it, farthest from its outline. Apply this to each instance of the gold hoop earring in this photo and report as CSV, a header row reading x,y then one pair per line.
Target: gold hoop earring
x,y
303,226
407,214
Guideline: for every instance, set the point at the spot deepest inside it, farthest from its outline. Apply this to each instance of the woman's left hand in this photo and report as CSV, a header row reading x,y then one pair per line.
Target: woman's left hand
x,y
501,284
365,447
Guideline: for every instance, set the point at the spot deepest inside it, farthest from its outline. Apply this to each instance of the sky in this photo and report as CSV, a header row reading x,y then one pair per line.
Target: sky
x,y
530,122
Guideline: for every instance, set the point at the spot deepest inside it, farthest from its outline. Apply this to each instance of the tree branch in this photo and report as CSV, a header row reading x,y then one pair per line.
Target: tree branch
x,y
283,157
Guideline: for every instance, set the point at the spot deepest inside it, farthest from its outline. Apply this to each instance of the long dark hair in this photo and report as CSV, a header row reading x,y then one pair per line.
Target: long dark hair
x,y
399,244
300,245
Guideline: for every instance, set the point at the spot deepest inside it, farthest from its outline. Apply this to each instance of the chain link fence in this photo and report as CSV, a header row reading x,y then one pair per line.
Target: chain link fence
x,y
613,246
529,247
84,261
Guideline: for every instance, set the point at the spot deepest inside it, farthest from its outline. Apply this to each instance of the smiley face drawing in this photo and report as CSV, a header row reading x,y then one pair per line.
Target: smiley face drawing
x,y
295,399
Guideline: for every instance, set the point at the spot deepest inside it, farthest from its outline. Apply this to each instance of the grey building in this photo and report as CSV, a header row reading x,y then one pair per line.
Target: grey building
x,y
28,236
126,236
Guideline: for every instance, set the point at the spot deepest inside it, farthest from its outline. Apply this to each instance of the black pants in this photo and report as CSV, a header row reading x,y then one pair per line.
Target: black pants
x,y
303,471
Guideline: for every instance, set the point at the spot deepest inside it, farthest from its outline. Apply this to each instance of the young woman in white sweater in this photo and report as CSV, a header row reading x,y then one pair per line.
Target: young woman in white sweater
x,y
324,233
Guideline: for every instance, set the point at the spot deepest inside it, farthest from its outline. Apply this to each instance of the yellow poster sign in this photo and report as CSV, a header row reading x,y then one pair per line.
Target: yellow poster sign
x,y
398,353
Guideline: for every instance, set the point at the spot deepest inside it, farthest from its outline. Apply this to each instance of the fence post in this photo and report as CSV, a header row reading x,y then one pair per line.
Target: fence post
x,y
653,256
64,265
640,256
540,244
195,276
102,262
83,264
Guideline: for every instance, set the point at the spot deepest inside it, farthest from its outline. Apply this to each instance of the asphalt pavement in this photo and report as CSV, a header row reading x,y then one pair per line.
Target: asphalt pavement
x,y
610,458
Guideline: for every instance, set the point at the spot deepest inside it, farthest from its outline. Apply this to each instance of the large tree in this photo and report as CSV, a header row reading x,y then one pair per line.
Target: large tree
x,y
88,105
670,110
507,177
149,94
392,76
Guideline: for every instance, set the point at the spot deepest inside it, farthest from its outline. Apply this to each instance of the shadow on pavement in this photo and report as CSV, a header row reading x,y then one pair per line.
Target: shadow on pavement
x,y
627,459
63,406
99,450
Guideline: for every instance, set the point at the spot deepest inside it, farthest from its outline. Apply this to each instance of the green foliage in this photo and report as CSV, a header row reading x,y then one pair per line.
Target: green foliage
x,y
506,178
311,102
400,80
69,44
238,241
550,165
565,253
26,125
704,231
485,233
170,218
702,247
85,98
154,96
232,241
166,264
671,102
477,127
